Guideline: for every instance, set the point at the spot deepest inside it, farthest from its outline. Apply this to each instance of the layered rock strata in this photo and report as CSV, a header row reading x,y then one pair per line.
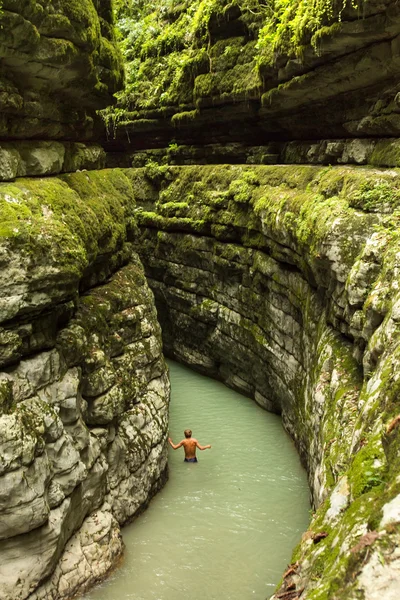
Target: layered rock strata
x,y
283,283
279,280
252,72
381,152
59,64
84,389
34,158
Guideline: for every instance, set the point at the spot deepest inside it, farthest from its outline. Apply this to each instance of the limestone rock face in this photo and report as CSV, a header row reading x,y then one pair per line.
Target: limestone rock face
x,y
84,390
255,72
33,158
282,281
59,65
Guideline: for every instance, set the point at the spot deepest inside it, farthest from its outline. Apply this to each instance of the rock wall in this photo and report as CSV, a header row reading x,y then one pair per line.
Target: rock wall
x,y
59,64
280,281
283,282
84,389
251,72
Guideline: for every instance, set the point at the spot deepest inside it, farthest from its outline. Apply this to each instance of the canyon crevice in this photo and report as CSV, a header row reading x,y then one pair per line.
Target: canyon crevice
x,y
246,225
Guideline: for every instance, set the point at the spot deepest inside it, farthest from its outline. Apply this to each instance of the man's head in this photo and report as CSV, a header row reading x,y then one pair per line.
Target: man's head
x,y
188,433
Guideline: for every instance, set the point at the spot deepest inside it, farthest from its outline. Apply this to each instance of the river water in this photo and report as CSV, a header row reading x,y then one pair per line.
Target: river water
x,y
224,528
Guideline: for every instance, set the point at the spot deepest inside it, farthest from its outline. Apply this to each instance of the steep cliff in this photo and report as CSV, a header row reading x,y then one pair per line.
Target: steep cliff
x,y
84,389
280,280
222,71
283,282
59,64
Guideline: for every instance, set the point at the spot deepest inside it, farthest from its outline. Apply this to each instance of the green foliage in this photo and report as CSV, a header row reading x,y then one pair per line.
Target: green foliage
x,y
377,195
158,53
133,9
173,57
167,45
297,23
111,117
154,172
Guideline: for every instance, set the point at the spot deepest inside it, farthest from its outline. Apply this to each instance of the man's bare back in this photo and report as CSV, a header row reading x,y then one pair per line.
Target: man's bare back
x,y
189,445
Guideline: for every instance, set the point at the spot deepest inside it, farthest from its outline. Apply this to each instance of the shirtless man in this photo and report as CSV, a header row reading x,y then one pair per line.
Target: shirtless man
x,y
189,445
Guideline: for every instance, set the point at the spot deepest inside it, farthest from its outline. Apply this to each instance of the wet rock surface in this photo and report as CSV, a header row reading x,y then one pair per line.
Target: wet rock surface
x,y
279,280
282,282
252,73
59,64
84,387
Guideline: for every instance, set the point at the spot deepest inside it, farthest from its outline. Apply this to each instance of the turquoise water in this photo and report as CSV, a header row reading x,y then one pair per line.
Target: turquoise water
x,y
224,528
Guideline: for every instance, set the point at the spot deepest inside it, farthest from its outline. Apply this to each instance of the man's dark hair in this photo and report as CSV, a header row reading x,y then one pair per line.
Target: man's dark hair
x,y
188,433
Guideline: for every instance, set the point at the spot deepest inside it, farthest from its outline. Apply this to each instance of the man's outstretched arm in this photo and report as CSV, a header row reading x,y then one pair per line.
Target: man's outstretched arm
x,y
175,446
200,447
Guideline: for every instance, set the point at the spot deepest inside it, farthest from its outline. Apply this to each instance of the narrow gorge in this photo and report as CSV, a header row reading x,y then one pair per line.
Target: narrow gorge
x,y
217,182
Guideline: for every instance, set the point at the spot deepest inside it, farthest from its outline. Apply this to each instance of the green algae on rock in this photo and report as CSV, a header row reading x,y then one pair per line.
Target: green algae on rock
x,y
41,40
84,390
218,71
55,229
280,281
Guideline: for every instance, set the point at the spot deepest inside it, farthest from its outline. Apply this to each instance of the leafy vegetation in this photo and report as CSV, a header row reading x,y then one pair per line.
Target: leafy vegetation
x,y
173,57
296,24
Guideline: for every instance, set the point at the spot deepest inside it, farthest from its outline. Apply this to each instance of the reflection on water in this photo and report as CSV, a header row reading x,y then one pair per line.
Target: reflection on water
x,y
224,528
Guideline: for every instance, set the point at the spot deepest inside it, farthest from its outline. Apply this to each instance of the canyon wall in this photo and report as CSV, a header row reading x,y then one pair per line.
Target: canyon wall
x,y
279,280
84,389
247,81
282,281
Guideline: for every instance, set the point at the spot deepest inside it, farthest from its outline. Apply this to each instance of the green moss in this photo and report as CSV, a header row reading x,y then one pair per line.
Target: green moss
x,y
312,222
386,153
368,467
151,219
177,209
184,117
12,210
241,81
179,56
323,34
372,191
94,334
241,190
156,172
50,221
84,17
68,220
109,195
295,25
303,202
6,397
171,58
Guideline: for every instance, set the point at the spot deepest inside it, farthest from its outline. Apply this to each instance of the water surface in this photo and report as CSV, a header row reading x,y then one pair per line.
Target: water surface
x,y
224,528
